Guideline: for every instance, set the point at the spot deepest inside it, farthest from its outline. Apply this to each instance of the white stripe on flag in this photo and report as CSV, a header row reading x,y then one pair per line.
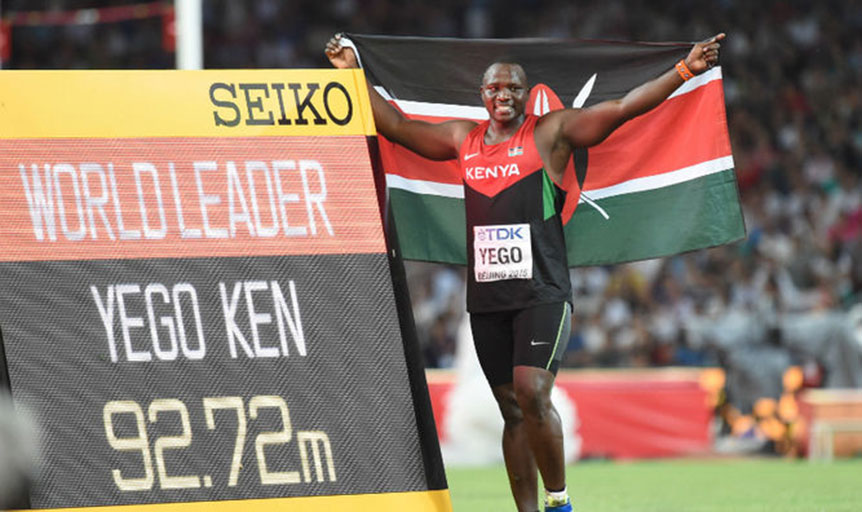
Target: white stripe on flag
x,y
667,179
432,188
698,81
423,108
383,92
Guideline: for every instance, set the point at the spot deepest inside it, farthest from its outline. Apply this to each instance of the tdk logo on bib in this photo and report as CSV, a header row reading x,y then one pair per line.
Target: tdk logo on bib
x,y
502,252
491,233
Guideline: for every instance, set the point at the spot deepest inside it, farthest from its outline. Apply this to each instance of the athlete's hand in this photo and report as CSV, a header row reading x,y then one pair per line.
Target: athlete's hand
x,y
341,57
704,55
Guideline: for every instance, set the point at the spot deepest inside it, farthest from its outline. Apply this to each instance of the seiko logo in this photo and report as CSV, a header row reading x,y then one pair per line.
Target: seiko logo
x,y
498,171
270,104
502,233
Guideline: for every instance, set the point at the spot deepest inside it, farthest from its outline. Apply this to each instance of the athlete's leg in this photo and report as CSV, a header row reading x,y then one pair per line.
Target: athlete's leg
x,y
541,334
493,338
517,453
541,423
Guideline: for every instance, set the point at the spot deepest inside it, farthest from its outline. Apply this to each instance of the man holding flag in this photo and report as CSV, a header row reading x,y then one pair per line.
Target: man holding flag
x,y
513,167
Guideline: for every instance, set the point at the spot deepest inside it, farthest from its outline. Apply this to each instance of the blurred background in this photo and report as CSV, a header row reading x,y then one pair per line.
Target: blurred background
x,y
777,313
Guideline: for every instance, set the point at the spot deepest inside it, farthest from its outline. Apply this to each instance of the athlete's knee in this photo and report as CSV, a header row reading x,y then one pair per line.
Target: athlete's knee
x,y
508,404
534,403
533,394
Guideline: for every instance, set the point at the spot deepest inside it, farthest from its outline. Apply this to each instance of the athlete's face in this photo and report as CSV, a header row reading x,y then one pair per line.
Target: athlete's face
x,y
504,91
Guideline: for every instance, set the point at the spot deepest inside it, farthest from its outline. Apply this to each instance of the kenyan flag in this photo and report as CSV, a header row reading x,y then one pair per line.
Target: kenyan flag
x,y
661,184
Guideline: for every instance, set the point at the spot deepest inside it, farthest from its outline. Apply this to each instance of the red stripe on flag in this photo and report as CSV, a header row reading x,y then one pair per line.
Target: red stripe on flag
x,y
407,164
682,131
402,162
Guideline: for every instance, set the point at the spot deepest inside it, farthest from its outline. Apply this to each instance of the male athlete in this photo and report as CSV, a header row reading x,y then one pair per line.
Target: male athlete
x,y
518,290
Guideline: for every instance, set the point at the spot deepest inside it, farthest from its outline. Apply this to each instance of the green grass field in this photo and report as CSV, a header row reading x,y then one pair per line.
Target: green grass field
x,y
739,485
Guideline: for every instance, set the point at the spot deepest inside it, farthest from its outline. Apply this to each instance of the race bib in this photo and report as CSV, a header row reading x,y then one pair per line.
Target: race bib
x,y
502,252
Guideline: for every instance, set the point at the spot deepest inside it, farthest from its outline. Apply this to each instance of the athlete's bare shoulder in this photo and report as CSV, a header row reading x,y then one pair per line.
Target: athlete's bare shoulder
x,y
457,131
549,127
553,146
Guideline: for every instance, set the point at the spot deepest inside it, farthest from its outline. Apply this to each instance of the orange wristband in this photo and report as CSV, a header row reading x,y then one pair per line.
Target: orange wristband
x,y
683,71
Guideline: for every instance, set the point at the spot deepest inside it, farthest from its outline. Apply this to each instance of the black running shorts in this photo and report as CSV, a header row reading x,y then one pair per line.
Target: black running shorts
x,y
536,336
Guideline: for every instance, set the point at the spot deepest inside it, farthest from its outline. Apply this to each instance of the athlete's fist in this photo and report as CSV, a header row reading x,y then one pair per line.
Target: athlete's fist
x,y
704,55
341,57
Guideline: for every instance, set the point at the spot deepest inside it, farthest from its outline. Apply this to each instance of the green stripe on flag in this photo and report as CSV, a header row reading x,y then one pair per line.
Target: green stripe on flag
x,y
700,213
430,228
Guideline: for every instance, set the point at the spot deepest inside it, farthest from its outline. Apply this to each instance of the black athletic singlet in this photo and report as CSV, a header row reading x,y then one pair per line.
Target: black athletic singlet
x,y
516,252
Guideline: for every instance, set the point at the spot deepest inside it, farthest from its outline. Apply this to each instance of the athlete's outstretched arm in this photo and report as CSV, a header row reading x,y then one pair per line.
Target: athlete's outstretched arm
x,y
589,126
436,141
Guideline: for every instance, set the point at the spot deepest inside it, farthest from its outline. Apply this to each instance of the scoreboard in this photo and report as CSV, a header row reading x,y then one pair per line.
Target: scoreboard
x,y
196,298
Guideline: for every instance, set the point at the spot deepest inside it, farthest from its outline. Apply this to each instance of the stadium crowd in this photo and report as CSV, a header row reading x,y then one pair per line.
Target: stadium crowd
x,y
787,294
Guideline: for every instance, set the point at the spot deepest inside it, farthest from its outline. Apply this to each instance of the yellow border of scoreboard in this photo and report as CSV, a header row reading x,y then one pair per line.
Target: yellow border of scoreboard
x,y
169,103
419,501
